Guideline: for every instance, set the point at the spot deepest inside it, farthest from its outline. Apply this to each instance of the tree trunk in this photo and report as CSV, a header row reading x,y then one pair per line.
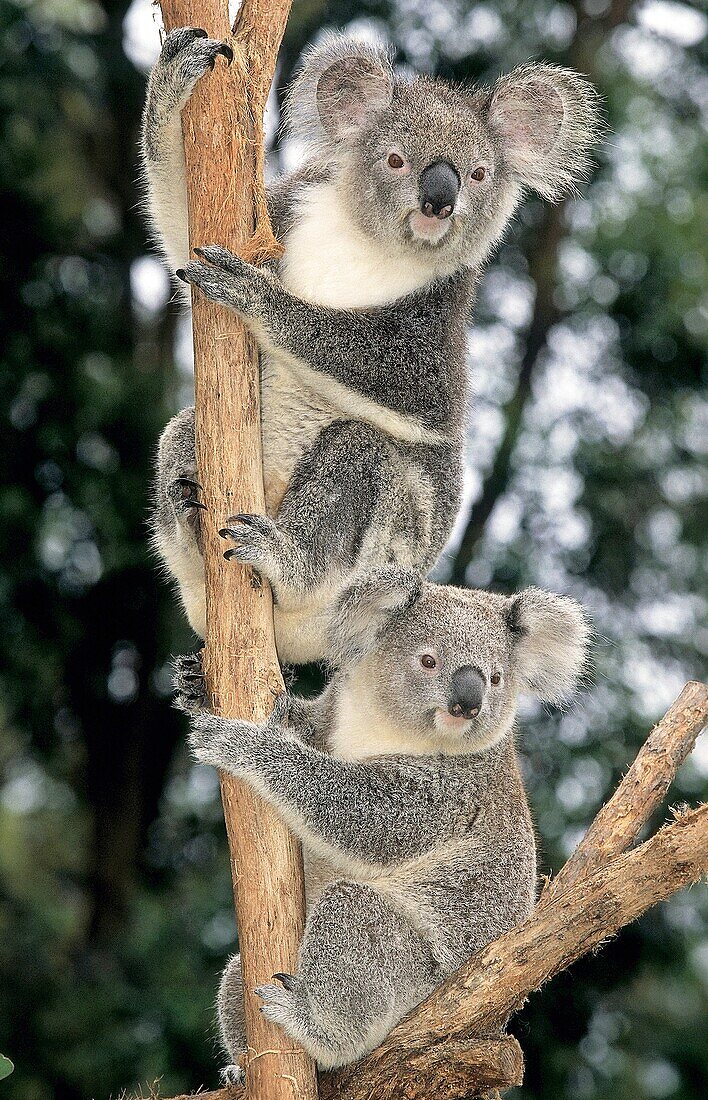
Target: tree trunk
x,y
223,141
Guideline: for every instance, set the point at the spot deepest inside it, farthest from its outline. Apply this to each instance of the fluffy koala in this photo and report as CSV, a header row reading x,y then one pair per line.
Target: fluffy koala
x,y
407,187
401,781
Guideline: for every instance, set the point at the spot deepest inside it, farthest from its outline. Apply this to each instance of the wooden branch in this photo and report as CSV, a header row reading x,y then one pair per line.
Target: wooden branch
x,y
222,126
452,1039
642,790
481,996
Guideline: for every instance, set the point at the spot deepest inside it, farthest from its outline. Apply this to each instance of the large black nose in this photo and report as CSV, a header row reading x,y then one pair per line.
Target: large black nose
x,y
466,692
439,188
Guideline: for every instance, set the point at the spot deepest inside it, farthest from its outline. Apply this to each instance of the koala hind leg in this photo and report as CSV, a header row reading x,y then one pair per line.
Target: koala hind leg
x,y
346,500
362,968
176,515
232,1023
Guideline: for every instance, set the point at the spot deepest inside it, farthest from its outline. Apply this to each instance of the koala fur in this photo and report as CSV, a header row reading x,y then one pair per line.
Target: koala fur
x,y
361,325
418,843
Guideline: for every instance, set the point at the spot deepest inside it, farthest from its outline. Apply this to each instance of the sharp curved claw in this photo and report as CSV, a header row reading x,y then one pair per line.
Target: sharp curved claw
x,y
229,554
286,980
187,481
199,33
227,52
180,273
188,503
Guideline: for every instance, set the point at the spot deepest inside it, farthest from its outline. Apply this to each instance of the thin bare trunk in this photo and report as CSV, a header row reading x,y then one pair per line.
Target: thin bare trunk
x,y
223,139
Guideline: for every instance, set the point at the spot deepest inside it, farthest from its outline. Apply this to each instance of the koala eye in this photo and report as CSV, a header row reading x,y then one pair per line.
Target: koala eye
x,y
428,661
394,161
495,678
478,174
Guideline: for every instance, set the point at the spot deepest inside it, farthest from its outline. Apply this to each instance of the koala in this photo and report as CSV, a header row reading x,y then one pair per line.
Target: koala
x,y
401,781
406,188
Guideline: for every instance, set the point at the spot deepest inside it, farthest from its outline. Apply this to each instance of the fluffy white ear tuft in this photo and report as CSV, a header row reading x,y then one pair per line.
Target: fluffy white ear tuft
x,y
341,86
367,607
548,119
551,635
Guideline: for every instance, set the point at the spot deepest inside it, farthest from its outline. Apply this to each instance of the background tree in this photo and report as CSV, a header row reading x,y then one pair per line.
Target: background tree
x,y
585,475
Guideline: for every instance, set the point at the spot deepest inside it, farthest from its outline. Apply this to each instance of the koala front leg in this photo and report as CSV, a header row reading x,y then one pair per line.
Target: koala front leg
x,y
186,55
378,813
397,356
176,515
361,969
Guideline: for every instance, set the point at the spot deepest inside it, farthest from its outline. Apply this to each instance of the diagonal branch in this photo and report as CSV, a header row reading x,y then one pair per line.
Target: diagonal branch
x,y
641,792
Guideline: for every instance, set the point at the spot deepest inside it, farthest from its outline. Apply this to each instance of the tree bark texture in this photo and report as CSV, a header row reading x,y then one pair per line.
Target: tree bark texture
x,y
223,141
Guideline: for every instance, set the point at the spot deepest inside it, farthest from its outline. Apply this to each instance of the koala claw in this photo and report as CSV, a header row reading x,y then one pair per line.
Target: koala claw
x,y
259,543
189,684
226,278
288,981
182,494
232,1075
187,53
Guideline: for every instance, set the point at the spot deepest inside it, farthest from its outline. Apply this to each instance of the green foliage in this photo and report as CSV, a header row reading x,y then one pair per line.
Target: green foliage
x,y
115,900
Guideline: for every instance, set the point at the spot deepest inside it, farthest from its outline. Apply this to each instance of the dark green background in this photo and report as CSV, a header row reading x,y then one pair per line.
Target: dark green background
x,y
585,451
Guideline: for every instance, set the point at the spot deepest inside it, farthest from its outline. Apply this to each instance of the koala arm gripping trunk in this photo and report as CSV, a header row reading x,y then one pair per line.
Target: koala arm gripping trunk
x,y
381,812
407,356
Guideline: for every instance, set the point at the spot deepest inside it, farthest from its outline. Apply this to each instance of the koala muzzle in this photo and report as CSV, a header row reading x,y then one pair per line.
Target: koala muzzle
x,y
466,692
439,188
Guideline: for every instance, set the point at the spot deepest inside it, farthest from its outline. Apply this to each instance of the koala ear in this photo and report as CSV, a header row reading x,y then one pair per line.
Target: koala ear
x,y
547,119
341,86
550,635
367,607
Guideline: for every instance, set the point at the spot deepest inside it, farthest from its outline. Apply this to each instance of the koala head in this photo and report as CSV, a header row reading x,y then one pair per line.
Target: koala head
x,y
436,168
448,664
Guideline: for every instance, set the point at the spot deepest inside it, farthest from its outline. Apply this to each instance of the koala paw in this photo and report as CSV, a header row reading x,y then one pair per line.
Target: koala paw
x,y
285,1004
259,543
226,279
232,1075
228,743
187,53
189,684
183,495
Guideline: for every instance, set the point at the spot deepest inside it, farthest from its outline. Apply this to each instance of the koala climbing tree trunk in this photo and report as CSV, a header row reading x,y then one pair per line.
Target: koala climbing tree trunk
x,y
223,142
453,1046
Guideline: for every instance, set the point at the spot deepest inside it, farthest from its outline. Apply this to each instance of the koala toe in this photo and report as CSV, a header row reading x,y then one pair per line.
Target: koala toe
x,y
189,683
281,1005
258,543
232,1075
183,496
178,40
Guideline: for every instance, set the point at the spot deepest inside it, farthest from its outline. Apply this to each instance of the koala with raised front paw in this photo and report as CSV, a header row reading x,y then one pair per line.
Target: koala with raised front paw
x,y
402,782
408,186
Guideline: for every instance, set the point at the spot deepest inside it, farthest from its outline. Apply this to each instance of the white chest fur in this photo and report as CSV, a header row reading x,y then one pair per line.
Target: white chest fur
x,y
330,262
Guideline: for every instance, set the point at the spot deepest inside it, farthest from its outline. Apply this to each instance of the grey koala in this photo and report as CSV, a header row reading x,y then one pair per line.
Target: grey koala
x,y
407,187
402,783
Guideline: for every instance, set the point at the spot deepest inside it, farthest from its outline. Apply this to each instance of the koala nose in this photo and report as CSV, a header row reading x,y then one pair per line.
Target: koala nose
x,y
439,188
466,693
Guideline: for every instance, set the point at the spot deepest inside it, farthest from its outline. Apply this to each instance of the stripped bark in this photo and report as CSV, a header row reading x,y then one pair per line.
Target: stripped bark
x,y
223,139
